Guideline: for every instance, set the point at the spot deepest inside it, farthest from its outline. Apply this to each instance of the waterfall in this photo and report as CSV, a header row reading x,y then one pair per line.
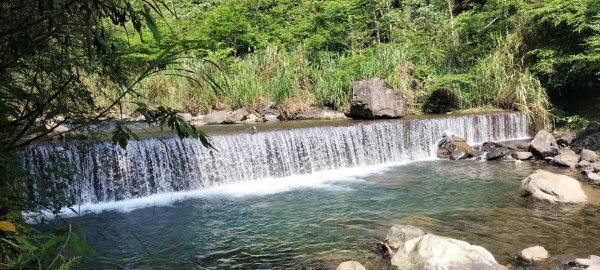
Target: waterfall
x,y
104,172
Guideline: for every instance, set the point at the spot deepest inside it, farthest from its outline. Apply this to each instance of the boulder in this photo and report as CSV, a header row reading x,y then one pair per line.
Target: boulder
x,y
494,150
251,118
588,155
429,252
522,155
454,147
350,265
564,139
592,177
459,154
566,158
217,117
374,98
271,117
552,187
588,138
543,145
397,235
319,114
497,153
235,116
590,263
583,164
595,166
533,254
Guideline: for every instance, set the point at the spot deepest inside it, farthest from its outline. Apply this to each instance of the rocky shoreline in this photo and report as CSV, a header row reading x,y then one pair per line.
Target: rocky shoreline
x,y
408,247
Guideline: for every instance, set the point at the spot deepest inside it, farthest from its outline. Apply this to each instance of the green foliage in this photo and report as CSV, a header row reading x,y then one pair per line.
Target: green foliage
x,y
164,116
31,249
63,61
569,122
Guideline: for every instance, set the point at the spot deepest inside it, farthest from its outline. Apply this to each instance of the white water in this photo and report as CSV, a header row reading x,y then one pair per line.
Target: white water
x,y
161,171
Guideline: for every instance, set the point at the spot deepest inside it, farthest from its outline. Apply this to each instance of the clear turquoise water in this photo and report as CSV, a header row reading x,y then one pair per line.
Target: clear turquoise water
x,y
319,226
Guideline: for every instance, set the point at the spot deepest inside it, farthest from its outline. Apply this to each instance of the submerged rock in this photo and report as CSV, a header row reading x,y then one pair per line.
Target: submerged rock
x,y
374,98
543,145
429,252
533,254
522,155
552,187
566,158
350,265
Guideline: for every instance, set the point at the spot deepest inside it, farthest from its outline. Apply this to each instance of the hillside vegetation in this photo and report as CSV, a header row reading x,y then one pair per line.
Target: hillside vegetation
x,y
492,54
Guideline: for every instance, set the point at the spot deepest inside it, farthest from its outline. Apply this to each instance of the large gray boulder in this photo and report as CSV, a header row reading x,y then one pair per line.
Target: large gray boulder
x,y
553,188
588,155
224,117
374,98
566,158
543,145
350,265
235,116
216,117
432,252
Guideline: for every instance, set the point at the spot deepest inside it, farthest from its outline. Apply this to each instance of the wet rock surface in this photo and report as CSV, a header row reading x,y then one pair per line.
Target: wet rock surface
x,y
429,252
554,188
350,265
566,158
533,254
543,145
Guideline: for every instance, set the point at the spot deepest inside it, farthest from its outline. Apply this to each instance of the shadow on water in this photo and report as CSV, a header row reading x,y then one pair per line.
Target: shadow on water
x,y
319,227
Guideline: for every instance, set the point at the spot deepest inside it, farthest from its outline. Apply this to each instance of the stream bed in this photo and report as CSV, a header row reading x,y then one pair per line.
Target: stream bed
x,y
316,221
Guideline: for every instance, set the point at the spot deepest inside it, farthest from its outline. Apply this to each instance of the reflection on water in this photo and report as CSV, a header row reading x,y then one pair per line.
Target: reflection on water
x,y
318,227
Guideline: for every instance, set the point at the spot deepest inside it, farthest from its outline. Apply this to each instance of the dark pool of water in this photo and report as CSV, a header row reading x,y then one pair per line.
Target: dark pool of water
x,y
319,227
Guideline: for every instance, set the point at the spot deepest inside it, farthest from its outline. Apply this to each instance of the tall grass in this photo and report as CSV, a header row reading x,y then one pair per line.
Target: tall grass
x,y
296,80
502,82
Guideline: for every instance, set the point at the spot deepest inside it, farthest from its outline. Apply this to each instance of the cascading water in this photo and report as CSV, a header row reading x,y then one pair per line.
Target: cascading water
x,y
105,172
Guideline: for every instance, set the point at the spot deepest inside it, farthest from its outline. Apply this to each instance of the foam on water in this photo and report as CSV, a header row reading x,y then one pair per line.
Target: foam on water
x,y
329,179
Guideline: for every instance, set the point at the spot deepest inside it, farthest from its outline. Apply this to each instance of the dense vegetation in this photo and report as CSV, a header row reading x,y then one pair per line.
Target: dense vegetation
x,y
80,61
502,54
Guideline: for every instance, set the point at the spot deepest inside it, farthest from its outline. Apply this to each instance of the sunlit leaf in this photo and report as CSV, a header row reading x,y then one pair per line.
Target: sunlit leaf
x,y
7,227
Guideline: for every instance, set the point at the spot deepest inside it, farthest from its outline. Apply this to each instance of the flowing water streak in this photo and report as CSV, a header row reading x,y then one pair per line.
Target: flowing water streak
x,y
105,172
